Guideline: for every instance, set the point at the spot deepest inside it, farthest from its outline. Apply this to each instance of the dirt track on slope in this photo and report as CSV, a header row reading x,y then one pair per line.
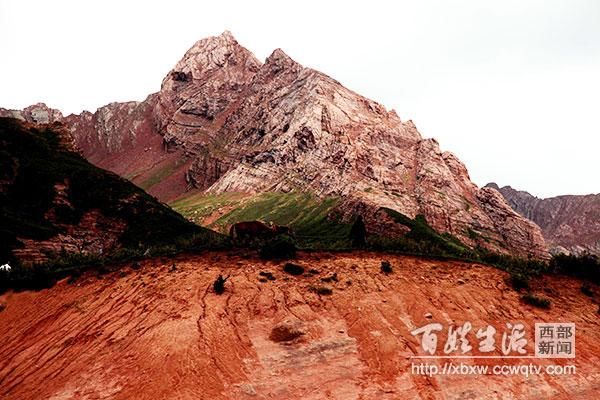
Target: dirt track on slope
x,y
156,334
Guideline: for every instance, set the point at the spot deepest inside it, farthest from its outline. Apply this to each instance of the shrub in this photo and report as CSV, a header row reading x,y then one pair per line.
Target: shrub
x,y
358,233
519,281
586,266
386,267
219,284
293,269
280,248
536,301
36,277
75,275
587,290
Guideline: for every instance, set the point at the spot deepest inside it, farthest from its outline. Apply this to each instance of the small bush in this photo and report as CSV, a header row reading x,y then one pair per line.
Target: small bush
x,y
280,248
585,289
536,301
358,233
293,269
103,270
75,275
386,267
219,284
519,281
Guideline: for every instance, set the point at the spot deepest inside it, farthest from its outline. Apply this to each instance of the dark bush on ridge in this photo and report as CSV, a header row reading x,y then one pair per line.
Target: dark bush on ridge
x,y
586,266
358,233
293,269
279,248
36,277
519,281
536,301
386,267
585,289
219,284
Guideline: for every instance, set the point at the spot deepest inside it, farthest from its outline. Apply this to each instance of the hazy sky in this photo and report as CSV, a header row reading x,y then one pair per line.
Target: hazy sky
x,y
511,87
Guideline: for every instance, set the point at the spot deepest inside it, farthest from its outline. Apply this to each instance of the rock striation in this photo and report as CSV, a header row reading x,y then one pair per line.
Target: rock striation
x,y
225,122
149,332
570,224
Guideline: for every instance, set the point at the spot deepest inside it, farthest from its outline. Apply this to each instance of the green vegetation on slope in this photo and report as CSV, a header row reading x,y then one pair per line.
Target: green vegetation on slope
x,y
422,239
304,212
198,206
315,229
159,175
34,160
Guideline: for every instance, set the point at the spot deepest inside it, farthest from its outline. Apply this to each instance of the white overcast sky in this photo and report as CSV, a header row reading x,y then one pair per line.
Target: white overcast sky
x,y
511,87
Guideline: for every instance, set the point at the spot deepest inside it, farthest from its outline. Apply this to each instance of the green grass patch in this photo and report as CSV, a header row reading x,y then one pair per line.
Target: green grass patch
x,y
305,213
158,176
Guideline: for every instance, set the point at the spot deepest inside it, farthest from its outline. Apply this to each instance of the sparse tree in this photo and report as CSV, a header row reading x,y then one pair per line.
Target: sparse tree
x,y
358,233
219,284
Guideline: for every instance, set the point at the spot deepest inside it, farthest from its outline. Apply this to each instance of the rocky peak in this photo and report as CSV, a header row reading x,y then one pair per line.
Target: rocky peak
x,y
203,84
212,53
279,58
569,223
278,66
38,113
230,123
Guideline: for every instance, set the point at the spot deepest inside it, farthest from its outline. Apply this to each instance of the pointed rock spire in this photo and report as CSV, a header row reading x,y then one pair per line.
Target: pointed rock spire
x,y
215,52
279,61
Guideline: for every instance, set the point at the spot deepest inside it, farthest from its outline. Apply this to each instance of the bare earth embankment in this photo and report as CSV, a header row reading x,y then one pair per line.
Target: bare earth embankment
x,y
161,334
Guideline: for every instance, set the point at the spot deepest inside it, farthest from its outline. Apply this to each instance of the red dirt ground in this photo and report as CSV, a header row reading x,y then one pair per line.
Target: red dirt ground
x,y
156,334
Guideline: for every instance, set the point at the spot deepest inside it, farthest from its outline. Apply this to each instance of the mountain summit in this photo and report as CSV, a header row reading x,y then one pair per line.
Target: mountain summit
x,y
225,122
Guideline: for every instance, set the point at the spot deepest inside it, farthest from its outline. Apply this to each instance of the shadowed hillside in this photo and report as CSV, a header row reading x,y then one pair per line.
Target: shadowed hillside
x,y
55,205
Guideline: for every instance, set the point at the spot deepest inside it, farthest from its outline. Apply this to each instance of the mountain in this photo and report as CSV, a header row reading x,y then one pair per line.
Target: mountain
x,y
159,333
223,122
570,224
54,203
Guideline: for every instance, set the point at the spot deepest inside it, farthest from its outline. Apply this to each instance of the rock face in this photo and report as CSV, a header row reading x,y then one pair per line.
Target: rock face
x,y
224,122
54,203
569,224
37,114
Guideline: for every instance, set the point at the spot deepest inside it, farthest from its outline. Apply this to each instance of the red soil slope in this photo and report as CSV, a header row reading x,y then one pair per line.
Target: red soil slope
x,y
160,334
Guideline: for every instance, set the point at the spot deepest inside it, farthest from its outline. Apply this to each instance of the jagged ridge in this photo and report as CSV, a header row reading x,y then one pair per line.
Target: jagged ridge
x,y
569,223
223,121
